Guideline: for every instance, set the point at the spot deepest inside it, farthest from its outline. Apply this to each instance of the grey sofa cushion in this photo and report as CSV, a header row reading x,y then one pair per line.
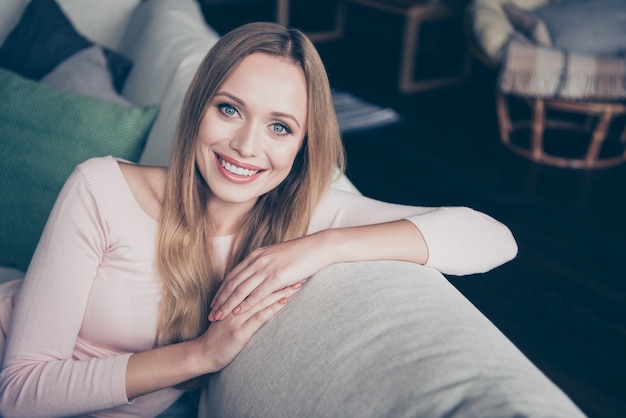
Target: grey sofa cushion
x,y
595,27
381,339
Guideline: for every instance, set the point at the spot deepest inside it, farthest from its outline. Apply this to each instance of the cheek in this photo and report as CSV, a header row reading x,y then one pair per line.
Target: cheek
x,y
203,143
284,158
207,138
208,134
213,129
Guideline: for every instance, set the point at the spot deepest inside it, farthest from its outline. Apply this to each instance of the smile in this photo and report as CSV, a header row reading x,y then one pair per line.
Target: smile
x,y
235,169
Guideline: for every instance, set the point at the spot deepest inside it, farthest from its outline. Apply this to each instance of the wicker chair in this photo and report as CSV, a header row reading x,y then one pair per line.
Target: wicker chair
x,y
526,121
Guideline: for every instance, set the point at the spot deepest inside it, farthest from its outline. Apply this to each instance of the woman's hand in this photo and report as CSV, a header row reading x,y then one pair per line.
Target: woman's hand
x,y
268,270
170,365
224,339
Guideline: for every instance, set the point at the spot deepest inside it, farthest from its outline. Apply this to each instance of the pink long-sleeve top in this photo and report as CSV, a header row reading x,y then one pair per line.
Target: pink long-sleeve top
x,y
91,295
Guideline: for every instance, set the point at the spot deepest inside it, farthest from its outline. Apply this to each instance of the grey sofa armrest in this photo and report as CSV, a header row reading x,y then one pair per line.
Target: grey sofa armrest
x,y
381,339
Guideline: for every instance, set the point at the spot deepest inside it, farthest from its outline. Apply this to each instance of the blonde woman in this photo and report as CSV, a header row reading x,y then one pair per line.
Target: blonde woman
x,y
117,313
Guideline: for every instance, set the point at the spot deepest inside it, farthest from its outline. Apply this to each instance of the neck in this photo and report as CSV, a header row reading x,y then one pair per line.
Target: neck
x,y
226,217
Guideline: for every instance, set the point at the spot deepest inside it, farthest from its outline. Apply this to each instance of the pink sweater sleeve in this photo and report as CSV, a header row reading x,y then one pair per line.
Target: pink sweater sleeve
x,y
460,240
40,375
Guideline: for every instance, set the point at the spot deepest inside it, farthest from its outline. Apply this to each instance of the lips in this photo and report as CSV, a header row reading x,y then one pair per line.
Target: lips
x,y
237,171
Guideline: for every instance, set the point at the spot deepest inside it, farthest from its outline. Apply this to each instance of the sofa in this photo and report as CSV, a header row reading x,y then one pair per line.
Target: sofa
x,y
371,339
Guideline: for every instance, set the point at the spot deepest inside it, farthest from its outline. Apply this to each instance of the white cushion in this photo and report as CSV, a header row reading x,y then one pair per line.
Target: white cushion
x,y
101,21
491,28
161,33
86,72
159,145
10,12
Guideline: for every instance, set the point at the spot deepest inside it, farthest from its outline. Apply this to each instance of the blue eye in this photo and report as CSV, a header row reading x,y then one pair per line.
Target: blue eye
x,y
281,129
228,109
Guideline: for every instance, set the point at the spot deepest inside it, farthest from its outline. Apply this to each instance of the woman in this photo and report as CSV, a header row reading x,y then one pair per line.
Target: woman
x,y
104,322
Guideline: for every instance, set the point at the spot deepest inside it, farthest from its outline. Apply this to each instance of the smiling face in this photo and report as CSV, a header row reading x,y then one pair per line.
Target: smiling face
x,y
251,131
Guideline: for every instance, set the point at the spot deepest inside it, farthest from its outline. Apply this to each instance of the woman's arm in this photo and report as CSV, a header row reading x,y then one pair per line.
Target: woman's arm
x,y
460,240
348,227
54,364
282,265
170,365
394,240
39,363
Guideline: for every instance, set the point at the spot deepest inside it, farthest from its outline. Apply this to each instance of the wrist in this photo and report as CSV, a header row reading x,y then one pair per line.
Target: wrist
x,y
331,245
200,357
164,367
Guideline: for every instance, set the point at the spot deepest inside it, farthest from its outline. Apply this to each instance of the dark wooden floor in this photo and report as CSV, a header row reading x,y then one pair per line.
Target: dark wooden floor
x,y
562,301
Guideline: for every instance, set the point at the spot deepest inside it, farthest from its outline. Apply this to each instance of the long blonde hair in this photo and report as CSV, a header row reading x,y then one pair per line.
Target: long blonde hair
x,y
185,255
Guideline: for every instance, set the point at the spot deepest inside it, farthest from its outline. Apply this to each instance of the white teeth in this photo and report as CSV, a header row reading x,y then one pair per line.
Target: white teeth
x,y
240,171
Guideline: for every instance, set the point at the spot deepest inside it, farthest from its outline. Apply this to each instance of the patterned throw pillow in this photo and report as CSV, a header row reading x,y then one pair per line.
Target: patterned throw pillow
x,y
44,37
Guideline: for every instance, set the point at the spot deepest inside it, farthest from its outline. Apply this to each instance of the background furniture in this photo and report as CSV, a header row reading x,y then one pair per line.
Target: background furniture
x,y
595,125
421,43
432,51
405,341
432,47
586,129
321,20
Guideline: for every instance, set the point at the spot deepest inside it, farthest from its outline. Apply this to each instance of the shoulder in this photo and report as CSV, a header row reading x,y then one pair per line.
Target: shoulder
x,y
337,200
94,175
334,207
147,184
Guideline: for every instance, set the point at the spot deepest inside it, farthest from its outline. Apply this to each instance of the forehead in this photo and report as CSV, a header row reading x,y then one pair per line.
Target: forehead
x,y
278,82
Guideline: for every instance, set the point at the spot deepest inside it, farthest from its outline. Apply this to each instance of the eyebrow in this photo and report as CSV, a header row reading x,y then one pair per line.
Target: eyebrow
x,y
275,114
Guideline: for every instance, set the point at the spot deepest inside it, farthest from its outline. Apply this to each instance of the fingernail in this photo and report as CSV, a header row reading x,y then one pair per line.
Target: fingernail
x,y
212,316
218,315
296,285
283,301
236,310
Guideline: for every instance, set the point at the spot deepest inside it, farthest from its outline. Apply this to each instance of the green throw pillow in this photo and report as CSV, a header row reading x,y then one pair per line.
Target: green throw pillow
x,y
44,134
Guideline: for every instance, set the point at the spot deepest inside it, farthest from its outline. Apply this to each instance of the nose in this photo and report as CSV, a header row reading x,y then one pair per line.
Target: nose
x,y
245,141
